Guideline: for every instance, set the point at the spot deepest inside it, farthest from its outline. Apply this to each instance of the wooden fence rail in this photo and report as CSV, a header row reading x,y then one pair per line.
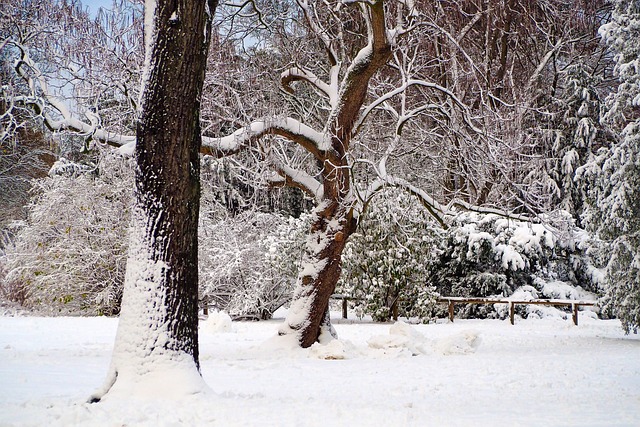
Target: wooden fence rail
x,y
345,303
574,304
452,301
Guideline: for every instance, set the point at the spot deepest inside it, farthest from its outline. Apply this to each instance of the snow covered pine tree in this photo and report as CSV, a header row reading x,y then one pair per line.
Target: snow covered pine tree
x,y
613,177
621,171
157,338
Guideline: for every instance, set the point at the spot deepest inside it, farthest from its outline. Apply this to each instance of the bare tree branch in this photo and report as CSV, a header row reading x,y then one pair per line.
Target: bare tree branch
x,y
297,73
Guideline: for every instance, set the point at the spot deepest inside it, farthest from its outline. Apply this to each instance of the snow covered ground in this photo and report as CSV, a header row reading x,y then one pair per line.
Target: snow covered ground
x,y
540,372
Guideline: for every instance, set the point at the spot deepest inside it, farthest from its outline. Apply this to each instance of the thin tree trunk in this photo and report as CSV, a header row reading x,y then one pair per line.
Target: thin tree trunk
x,y
157,338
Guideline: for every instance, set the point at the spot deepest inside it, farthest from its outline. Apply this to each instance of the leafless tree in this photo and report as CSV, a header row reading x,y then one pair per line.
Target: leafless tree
x,y
71,73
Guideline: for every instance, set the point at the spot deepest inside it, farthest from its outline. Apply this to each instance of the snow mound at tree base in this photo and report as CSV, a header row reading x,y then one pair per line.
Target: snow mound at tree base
x,y
333,350
169,383
464,342
403,340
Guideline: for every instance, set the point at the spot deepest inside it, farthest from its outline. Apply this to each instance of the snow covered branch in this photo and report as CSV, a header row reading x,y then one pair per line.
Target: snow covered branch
x,y
41,97
286,176
311,140
406,20
487,210
422,83
310,15
435,209
355,83
438,211
297,73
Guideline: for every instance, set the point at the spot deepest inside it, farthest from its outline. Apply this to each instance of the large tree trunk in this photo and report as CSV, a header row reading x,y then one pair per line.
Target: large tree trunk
x,y
157,338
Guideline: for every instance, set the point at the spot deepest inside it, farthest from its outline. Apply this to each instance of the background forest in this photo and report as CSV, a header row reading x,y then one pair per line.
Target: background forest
x,y
495,152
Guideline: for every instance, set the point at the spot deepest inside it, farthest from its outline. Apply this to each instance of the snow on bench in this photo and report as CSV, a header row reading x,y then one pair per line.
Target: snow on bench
x,y
574,304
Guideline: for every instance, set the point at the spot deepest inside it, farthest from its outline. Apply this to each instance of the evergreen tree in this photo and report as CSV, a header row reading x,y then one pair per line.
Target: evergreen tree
x,y
612,179
577,138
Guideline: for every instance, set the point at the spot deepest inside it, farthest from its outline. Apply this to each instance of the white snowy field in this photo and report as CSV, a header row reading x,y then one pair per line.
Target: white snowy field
x,y
540,372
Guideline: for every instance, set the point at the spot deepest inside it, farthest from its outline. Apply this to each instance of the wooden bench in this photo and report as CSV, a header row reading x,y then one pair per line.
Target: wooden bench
x,y
574,304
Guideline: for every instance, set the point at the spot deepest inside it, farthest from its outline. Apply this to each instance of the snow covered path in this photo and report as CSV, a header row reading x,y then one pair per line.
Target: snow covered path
x,y
469,373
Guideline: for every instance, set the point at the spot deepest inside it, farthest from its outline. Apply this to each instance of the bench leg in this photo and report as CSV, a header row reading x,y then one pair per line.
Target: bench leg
x,y
344,308
574,310
451,304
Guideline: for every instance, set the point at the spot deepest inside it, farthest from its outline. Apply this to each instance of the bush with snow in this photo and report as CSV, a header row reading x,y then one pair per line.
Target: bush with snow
x,y
69,256
386,260
249,262
492,256
399,261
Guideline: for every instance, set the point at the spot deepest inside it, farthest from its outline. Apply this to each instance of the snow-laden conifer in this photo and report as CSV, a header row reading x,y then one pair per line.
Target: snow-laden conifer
x,y
611,181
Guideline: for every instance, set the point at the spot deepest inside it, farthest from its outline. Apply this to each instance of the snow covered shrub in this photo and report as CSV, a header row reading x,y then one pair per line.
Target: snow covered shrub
x,y
231,262
11,291
386,260
70,255
491,256
248,262
4,286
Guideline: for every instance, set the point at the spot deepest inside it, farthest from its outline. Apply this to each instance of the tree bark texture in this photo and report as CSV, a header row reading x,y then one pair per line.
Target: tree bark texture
x,y
309,312
159,318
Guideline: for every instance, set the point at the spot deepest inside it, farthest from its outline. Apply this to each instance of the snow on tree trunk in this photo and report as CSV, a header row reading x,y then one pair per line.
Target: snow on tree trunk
x,y
156,347
308,316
